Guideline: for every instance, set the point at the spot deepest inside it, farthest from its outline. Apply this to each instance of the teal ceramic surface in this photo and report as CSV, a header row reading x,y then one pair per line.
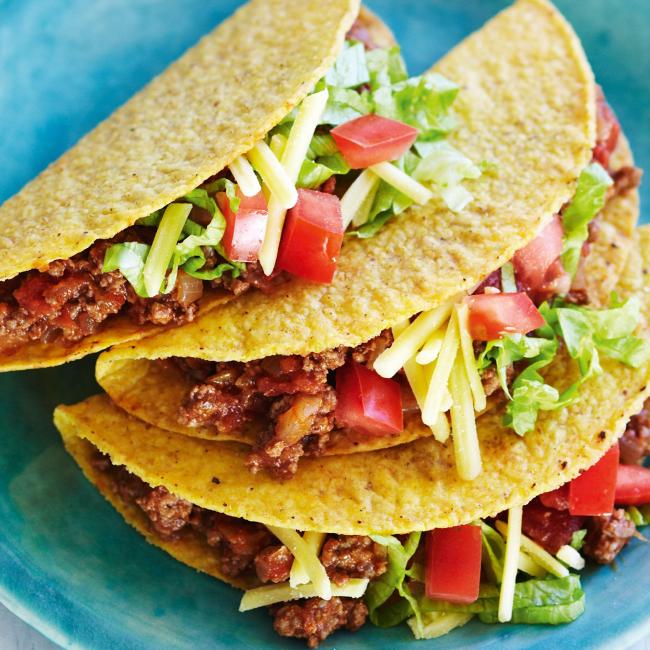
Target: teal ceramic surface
x,y
68,563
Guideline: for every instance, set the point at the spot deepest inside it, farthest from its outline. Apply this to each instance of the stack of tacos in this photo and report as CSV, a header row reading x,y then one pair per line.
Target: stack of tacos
x,y
338,425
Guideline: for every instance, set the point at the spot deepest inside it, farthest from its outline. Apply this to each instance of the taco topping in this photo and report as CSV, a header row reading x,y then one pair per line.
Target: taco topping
x,y
367,143
520,566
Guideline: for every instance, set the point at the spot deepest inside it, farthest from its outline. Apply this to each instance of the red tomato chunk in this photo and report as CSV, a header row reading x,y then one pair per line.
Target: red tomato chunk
x,y
632,485
592,493
366,402
607,130
245,228
533,262
557,499
493,315
372,139
453,564
312,237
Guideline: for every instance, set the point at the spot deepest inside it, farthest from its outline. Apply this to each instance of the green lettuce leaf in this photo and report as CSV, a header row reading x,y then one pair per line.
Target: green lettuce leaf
x,y
578,539
128,259
548,601
587,202
380,590
386,67
201,199
640,515
345,104
349,69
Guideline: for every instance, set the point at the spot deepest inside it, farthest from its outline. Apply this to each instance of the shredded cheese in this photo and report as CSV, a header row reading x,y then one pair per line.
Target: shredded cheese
x,y
355,203
411,340
442,370
244,176
402,182
307,557
273,174
537,553
436,624
278,143
295,151
463,423
529,566
571,557
431,349
283,592
511,562
164,243
298,574
467,350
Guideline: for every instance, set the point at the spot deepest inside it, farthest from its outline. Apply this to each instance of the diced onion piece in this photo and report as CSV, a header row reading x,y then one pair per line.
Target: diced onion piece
x,y
529,566
283,592
273,174
278,143
308,558
298,575
431,349
440,377
467,350
508,283
164,243
571,557
245,177
411,340
463,424
295,151
356,197
402,182
542,557
436,624
510,564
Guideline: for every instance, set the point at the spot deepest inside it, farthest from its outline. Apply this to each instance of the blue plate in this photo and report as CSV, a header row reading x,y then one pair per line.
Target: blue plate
x,y
68,563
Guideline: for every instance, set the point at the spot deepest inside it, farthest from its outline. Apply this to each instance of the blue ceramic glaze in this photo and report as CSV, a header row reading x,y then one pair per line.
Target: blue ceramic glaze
x,y
68,563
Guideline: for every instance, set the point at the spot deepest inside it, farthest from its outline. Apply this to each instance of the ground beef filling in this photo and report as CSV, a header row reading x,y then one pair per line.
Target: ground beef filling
x,y
246,548
70,299
635,441
291,398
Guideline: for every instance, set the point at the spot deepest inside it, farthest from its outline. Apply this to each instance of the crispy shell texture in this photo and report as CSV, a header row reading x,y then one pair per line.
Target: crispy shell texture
x,y
183,127
120,328
527,106
397,490
153,390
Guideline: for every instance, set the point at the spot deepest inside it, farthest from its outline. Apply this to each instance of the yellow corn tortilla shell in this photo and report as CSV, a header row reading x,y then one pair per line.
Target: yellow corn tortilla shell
x,y
153,391
222,144
206,109
527,104
397,490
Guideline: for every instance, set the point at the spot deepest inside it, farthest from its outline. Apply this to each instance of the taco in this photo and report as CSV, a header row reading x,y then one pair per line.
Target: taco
x,y
164,208
395,341
364,552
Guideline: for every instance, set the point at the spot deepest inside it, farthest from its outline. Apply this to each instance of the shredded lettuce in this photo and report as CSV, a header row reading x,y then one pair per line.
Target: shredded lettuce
x,y
587,202
640,515
129,259
587,334
549,601
446,168
578,539
201,198
350,69
382,613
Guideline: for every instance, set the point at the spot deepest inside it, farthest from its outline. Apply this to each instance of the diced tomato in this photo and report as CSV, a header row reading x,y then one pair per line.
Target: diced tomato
x,y
492,315
312,237
549,527
245,228
453,564
372,139
534,260
592,493
632,485
557,499
607,130
366,402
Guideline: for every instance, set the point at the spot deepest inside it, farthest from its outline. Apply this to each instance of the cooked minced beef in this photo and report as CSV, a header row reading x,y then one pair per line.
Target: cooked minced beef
x,y
550,528
635,441
315,619
291,396
243,545
70,299
607,535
